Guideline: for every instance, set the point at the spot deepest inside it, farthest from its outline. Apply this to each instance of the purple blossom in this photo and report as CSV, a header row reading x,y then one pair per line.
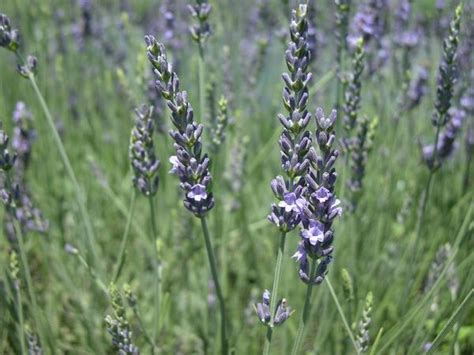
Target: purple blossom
x,y
447,140
314,233
295,140
323,206
189,164
197,193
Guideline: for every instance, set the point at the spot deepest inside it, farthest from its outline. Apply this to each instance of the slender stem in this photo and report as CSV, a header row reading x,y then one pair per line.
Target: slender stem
x,y
157,267
123,245
202,84
306,311
21,332
421,215
92,255
274,294
343,317
220,296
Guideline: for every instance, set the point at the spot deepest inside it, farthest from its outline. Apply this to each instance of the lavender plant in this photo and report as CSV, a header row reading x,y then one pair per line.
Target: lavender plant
x,y
315,247
118,326
222,120
191,167
295,143
200,33
142,153
352,88
447,139
343,8
363,336
145,167
444,92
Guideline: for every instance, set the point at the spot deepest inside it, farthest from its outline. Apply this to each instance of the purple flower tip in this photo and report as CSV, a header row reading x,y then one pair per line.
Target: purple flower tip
x,y
197,193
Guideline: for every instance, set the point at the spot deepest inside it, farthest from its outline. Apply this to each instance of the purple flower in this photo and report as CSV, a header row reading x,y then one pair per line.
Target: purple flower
x,y
322,206
189,164
142,153
198,193
295,140
314,233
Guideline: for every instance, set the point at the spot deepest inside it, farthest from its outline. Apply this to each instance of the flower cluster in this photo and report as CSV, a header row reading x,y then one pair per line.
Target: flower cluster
x,y
15,195
352,89
142,153
222,119
447,71
282,311
117,325
9,38
322,207
363,336
295,141
343,8
202,30
447,139
189,164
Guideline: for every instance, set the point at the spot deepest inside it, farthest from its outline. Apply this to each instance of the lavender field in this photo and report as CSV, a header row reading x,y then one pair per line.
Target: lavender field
x,y
237,177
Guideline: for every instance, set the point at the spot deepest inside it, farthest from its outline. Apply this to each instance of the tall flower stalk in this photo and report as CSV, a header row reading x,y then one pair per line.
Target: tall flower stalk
x,y
200,33
343,8
189,164
145,167
295,143
444,94
315,248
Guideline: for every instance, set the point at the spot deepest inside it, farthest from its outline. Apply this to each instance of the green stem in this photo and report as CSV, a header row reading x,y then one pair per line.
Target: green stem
x,y
21,331
306,310
421,216
202,84
274,294
220,296
157,267
343,317
125,237
92,255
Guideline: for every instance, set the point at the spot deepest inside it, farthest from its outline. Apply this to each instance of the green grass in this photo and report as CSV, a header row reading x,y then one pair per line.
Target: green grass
x,y
91,95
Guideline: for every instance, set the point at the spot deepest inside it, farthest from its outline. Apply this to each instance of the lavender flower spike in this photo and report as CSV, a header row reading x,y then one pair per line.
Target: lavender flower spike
x,y
142,153
202,30
9,38
446,143
295,141
189,164
323,206
447,71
